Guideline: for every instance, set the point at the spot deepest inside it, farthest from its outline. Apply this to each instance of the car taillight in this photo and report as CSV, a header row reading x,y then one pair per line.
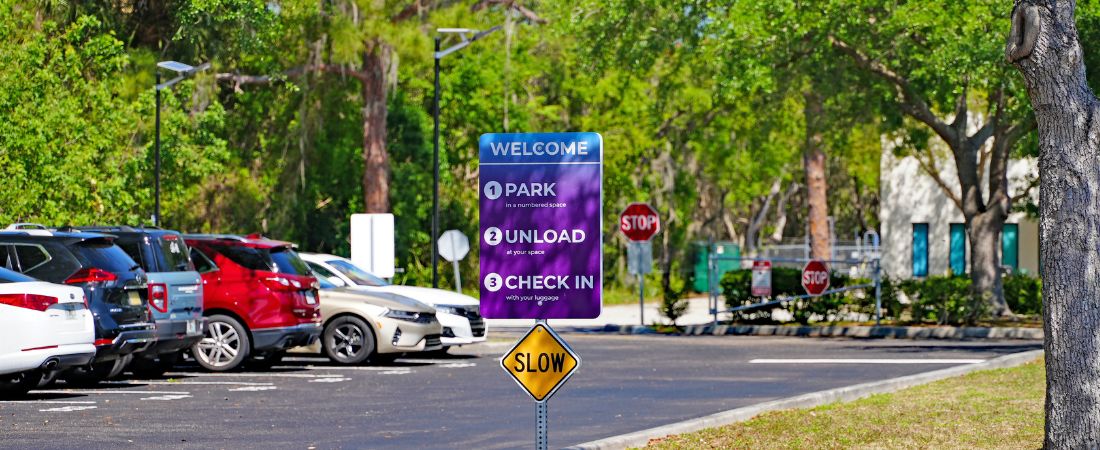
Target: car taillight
x,y
29,301
280,284
91,275
158,297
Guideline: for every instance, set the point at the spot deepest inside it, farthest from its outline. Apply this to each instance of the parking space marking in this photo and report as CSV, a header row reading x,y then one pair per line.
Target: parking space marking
x,y
68,409
370,368
257,375
74,391
167,397
253,389
230,383
425,361
457,365
62,402
865,361
329,380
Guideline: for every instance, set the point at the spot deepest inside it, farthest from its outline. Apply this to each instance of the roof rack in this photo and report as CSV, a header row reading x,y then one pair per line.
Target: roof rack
x,y
226,237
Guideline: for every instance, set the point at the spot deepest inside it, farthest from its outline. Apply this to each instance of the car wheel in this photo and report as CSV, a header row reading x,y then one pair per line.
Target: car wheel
x,y
224,345
348,340
154,368
13,385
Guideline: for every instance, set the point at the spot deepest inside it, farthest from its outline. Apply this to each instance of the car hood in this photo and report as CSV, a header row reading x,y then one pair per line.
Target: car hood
x,y
387,300
432,296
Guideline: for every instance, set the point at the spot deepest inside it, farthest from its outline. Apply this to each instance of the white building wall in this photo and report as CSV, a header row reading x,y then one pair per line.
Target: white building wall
x,y
909,195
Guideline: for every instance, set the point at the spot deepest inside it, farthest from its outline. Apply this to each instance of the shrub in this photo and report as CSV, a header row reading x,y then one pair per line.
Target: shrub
x,y
1024,294
941,299
737,288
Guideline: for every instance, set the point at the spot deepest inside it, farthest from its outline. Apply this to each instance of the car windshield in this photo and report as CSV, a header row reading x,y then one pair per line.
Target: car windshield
x,y
288,262
355,274
10,276
105,255
174,255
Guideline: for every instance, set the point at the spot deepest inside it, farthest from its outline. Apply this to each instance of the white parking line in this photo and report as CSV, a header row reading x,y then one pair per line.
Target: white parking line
x,y
74,391
230,383
67,409
425,361
167,397
256,374
63,402
253,389
329,380
865,361
457,365
376,369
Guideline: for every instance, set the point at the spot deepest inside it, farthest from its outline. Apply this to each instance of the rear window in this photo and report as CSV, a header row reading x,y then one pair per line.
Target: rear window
x,y
173,254
9,276
247,257
287,261
105,255
354,273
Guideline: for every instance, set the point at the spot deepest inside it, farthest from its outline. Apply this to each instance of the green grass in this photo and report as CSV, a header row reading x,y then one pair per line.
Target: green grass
x,y
1000,408
628,295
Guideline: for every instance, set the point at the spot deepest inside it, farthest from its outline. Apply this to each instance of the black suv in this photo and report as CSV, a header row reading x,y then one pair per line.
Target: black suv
x,y
175,292
115,287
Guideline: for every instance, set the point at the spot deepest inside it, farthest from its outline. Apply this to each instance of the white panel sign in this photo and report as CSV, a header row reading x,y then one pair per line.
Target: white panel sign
x,y
372,242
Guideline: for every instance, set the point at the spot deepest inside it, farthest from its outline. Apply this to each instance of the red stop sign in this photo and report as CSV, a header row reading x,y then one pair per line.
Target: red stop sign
x,y
639,222
815,277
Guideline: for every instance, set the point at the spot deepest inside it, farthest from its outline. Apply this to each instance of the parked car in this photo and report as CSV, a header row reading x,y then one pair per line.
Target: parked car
x,y
114,285
259,298
43,327
175,293
459,314
374,325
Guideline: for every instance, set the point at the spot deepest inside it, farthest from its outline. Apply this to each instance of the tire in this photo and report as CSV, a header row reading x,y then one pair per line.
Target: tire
x,y
267,360
224,346
97,372
348,340
154,368
15,385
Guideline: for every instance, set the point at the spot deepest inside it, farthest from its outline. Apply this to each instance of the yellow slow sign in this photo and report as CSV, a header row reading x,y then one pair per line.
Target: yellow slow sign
x,y
540,362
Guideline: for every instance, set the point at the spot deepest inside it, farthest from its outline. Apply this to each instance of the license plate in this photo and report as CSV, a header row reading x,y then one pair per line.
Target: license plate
x,y
135,298
70,314
192,326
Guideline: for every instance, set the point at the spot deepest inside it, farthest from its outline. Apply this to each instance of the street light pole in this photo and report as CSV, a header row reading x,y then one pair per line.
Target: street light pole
x,y
183,71
156,170
438,55
435,165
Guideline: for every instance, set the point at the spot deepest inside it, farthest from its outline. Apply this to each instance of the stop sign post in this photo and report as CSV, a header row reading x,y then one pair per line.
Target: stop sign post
x,y
639,222
815,277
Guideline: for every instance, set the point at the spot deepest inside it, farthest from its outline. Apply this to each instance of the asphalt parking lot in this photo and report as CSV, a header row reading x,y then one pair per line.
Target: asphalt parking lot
x,y
464,400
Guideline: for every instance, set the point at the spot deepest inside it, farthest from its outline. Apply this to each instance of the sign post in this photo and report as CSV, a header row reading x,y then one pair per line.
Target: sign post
x,y
453,246
761,278
541,200
639,222
815,277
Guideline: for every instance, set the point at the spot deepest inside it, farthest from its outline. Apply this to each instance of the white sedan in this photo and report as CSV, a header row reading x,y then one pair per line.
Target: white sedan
x,y
43,327
459,314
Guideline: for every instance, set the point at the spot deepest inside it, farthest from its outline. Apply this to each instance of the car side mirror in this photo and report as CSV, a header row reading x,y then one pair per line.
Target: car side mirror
x,y
337,281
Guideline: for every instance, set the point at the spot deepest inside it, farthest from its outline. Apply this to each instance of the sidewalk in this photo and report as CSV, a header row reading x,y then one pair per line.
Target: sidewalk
x,y
698,313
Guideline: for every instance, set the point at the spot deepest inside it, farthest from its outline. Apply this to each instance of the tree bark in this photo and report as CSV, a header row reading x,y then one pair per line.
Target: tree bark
x,y
984,231
1043,45
376,160
813,163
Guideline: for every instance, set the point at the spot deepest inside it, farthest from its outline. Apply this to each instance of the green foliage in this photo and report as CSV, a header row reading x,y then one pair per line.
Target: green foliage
x,y
736,288
944,300
1024,294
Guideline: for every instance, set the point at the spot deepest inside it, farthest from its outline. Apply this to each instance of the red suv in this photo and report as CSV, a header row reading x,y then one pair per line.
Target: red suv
x,y
259,297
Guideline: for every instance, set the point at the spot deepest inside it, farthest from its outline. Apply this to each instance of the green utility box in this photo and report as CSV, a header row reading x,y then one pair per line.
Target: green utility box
x,y
726,251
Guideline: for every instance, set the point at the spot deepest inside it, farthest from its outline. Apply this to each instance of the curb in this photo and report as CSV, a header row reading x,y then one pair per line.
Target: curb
x,y
844,394
894,332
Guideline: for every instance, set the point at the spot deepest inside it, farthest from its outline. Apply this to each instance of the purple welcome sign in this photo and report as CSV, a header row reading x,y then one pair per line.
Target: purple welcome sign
x,y
541,230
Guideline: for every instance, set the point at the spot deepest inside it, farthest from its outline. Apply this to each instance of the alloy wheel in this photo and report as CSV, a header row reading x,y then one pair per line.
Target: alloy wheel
x,y
220,345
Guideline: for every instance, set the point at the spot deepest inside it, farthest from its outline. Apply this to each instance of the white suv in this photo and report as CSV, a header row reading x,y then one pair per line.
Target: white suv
x,y
459,314
43,327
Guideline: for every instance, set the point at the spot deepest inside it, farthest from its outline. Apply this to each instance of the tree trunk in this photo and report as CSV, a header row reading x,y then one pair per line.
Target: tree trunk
x,y
813,162
376,160
985,263
1043,45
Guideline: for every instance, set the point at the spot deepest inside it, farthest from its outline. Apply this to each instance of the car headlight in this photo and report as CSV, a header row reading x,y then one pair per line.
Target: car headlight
x,y
403,315
447,309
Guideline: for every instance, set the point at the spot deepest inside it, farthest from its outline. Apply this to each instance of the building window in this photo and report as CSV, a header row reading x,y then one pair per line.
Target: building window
x,y
1010,246
957,256
920,249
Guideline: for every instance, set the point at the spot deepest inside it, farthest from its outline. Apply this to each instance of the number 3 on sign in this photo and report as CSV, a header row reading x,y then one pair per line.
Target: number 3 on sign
x,y
493,282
